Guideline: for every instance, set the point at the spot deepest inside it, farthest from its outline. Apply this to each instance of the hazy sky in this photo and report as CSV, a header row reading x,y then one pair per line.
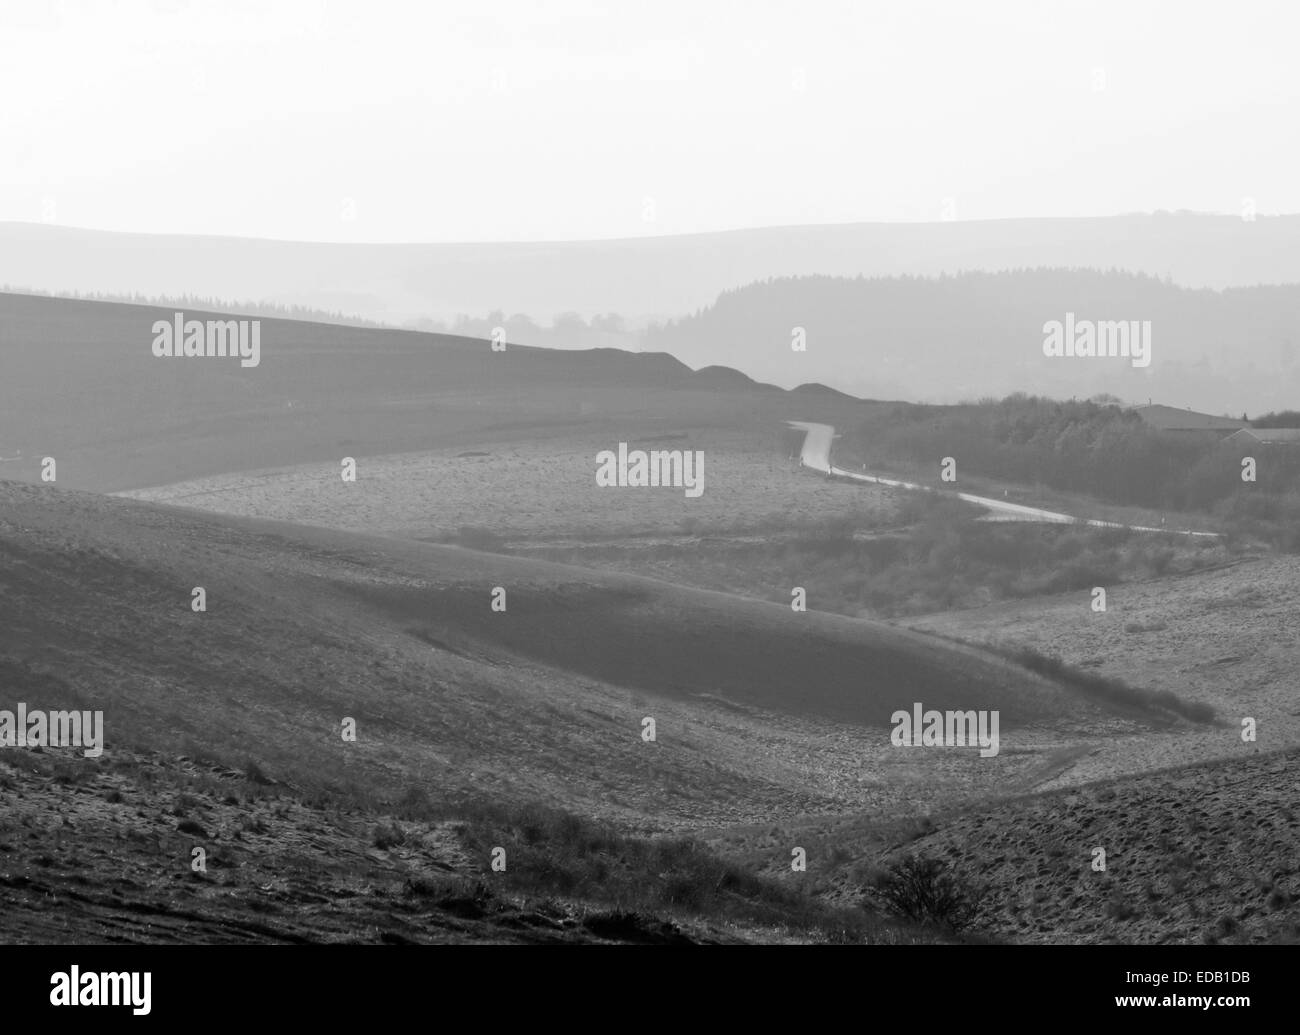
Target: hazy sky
x,y
535,120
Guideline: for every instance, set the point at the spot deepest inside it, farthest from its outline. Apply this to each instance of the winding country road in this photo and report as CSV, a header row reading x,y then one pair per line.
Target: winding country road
x,y
816,455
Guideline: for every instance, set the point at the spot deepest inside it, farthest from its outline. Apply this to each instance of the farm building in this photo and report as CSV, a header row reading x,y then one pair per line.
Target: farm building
x,y
1188,422
1266,436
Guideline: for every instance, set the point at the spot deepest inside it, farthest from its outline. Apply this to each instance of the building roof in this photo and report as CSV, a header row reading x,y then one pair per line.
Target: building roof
x,y
1171,418
1270,436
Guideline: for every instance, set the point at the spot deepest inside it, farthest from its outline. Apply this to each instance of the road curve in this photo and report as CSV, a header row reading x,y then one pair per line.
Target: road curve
x,y
816,455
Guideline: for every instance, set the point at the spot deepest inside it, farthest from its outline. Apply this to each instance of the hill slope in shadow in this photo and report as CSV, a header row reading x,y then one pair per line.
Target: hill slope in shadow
x,y
82,385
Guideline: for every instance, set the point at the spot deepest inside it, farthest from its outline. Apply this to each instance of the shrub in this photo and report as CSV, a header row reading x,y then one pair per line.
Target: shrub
x,y
388,835
461,896
1107,688
923,889
256,774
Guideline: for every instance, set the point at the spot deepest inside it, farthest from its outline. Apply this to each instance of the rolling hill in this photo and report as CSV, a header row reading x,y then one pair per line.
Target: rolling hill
x,y
80,383
223,731
305,626
223,727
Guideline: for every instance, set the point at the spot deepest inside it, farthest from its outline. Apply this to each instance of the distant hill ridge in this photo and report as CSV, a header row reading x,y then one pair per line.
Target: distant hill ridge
x,y
640,278
960,338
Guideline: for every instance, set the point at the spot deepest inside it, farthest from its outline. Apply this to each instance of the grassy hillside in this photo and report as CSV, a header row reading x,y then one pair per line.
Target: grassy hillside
x,y
107,855
1198,853
305,626
223,729
81,384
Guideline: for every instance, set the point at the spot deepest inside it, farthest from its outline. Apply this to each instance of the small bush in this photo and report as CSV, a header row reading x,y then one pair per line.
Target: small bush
x,y
70,774
255,774
460,896
389,835
922,889
1107,688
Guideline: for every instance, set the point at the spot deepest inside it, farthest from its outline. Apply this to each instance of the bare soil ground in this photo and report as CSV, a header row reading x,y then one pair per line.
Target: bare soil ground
x,y
107,855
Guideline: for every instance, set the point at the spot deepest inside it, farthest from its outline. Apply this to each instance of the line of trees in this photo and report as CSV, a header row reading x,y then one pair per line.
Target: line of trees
x,y
206,303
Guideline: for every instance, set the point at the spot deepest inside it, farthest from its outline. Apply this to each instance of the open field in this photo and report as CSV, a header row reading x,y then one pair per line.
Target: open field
x,y
540,490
